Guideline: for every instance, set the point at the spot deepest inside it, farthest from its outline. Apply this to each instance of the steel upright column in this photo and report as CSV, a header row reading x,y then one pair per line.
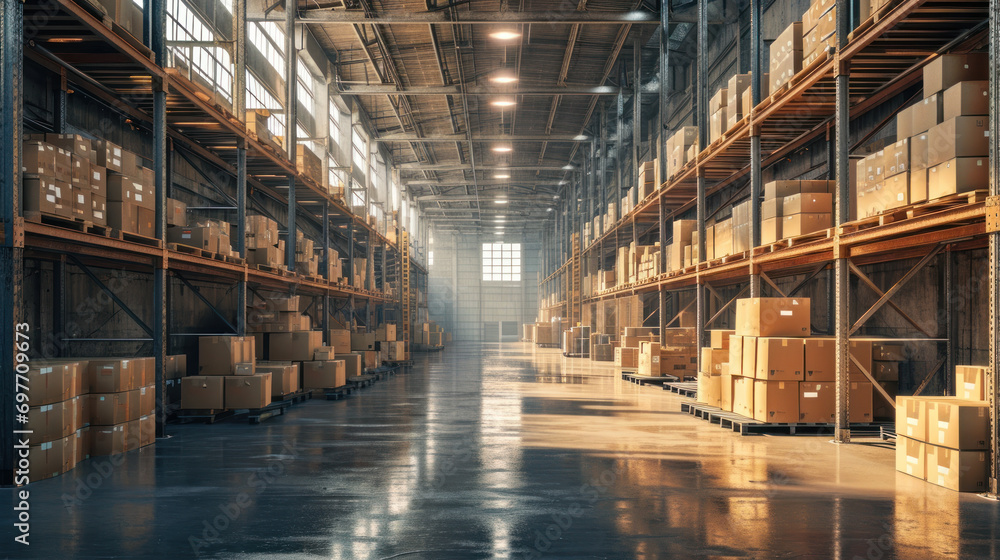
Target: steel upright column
x,y
239,107
603,164
12,246
158,38
842,321
755,175
661,116
325,323
993,383
291,122
636,112
620,145
702,119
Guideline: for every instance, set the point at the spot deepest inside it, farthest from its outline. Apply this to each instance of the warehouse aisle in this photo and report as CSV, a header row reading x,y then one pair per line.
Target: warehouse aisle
x,y
500,452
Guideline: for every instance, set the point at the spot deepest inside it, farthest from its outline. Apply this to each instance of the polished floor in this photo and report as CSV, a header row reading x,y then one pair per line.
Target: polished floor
x,y
499,452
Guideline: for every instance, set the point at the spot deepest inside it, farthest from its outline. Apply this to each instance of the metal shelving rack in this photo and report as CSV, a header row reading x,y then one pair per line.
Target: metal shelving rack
x,y
878,59
121,72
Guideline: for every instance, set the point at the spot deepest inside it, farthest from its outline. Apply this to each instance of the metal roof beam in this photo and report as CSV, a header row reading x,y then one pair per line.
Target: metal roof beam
x,y
460,167
550,17
393,89
483,138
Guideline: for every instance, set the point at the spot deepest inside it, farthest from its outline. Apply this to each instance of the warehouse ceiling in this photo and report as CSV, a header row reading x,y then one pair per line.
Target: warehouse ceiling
x,y
480,77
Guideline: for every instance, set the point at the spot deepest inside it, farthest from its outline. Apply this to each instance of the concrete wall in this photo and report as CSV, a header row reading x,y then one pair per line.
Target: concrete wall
x,y
462,302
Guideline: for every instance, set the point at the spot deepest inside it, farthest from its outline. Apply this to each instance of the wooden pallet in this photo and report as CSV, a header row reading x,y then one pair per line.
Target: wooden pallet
x,y
74,224
207,416
276,408
294,398
795,241
361,381
136,238
749,426
186,249
334,394
648,379
272,269
683,388
915,211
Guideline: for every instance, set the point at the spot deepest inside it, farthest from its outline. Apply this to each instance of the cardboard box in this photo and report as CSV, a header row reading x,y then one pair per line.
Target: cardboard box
x,y
324,353
284,377
294,346
353,363
712,360
41,194
79,172
911,417
735,108
363,341
107,155
967,98
176,213
958,137
743,396
779,359
896,157
860,399
904,123
772,317
627,357
220,355
771,208
910,457
108,409
386,333
918,185
147,430
107,440
719,338
770,230
147,401
957,176
776,401
324,375
50,422
145,222
123,216
949,69
748,367
788,42
110,375
38,158
800,224
396,351
820,361
718,101
64,167
784,69
710,389
970,383
962,471
736,354
885,371
958,424
817,402
649,358
52,382
175,367
340,339
927,113
726,387
248,391
203,392
807,203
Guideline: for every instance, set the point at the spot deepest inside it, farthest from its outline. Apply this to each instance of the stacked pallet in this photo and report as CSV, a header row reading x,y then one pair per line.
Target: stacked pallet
x,y
794,208
945,440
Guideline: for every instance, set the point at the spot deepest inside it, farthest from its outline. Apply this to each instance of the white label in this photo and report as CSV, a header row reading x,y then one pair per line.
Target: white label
x,y
185,236
45,408
942,425
50,198
79,199
912,421
138,197
46,445
986,133
979,163
910,459
909,470
899,197
810,395
58,191
98,214
102,398
941,436
943,470
786,313
97,176
970,386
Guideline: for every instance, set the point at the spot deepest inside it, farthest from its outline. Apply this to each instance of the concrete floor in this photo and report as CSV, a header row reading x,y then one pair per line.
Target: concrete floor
x,y
499,452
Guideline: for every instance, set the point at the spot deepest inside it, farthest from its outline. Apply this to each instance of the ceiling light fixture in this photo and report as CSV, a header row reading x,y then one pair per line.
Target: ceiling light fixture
x,y
501,175
502,103
504,77
502,149
505,35
500,201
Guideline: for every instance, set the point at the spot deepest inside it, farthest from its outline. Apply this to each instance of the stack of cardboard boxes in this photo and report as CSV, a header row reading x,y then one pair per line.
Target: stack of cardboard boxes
x,y
602,348
306,261
794,208
649,178
945,440
276,314
88,407
73,177
227,376
819,29
394,350
718,123
776,372
679,148
941,143
309,164
209,235
431,334
786,56
354,361
263,246
680,248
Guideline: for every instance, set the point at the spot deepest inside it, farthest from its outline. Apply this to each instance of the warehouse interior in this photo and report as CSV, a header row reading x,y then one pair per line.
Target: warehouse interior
x,y
534,279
